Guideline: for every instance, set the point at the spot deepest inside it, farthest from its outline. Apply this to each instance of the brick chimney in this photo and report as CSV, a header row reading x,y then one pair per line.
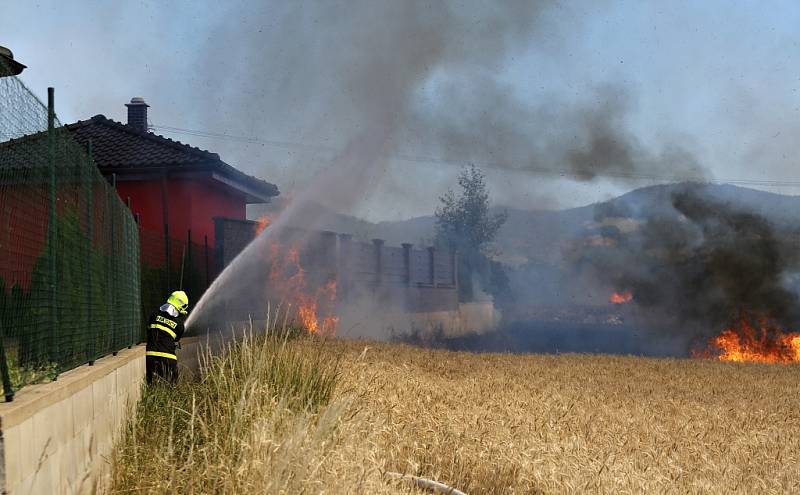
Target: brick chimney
x,y
137,113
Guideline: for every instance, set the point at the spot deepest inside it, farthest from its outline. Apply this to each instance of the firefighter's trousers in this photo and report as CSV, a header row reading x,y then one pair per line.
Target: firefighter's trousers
x,y
165,368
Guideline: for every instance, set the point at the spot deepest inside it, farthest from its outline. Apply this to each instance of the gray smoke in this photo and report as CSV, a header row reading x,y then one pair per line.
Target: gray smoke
x,y
419,79
582,140
374,79
699,264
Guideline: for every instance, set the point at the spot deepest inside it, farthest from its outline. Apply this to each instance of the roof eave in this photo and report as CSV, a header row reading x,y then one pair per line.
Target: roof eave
x,y
260,193
251,194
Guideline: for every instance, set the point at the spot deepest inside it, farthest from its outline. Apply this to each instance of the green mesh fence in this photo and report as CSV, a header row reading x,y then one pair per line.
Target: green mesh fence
x,y
191,268
69,249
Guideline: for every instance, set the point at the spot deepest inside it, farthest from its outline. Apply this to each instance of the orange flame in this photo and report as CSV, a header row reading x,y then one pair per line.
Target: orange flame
x,y
621,297
329,321
263,222
761,343
307,311
314,308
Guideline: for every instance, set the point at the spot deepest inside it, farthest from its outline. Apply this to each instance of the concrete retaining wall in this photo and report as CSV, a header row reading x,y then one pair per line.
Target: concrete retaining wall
x,y
477,317
57,437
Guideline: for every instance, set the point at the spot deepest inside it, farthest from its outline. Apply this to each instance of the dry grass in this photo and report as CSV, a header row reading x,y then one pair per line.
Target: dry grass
x,y
260,420
580,423
481,423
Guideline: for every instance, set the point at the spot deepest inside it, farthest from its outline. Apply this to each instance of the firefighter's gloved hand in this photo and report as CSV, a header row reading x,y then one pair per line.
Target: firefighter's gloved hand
x,y
178,345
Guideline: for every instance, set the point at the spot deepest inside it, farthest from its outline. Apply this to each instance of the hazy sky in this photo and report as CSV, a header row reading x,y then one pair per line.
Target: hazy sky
x,y
719,80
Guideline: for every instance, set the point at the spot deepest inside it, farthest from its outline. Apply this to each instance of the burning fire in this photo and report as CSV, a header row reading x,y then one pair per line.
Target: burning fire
x,y
621,297
307,310
762,343
314,308
263,223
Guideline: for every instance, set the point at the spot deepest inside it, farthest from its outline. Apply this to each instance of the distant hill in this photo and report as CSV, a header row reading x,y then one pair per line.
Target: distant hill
x,y
538,236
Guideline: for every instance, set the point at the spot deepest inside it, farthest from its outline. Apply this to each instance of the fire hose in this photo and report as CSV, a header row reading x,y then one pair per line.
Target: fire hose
x,y
425,484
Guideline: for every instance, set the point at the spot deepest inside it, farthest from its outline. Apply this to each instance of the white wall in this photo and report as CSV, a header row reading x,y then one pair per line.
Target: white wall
x,y
57,437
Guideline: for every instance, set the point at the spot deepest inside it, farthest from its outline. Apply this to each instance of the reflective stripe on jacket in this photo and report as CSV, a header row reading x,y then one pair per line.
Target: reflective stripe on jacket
x,y
162,354
157,326
163,331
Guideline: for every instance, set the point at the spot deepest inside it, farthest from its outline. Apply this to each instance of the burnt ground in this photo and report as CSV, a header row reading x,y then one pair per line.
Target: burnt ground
x,y
553,337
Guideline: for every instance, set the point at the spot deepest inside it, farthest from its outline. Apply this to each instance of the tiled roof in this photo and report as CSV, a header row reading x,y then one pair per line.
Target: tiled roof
x,y
117,147
9,66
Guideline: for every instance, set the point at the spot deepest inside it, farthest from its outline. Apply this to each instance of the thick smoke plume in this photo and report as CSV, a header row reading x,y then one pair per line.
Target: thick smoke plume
x,y
421,79
582,140
376,79
700,265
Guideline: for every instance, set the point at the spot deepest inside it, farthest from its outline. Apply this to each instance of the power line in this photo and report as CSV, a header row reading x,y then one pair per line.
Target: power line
x,y
245,139
443,161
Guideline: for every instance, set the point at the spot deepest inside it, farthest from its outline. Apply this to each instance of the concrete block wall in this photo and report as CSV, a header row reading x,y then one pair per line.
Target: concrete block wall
x,y
231,236
389,265
57,438
369,262
411,287
408,279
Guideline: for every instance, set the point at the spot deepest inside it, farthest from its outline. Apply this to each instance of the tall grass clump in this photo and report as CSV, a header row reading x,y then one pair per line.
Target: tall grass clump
x,y
258,418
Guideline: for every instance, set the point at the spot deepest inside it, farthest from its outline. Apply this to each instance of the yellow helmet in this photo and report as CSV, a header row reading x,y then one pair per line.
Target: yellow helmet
x,y
180,300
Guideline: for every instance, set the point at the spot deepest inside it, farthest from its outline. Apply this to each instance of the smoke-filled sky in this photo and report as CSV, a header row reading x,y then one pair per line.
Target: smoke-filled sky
x,y
561,103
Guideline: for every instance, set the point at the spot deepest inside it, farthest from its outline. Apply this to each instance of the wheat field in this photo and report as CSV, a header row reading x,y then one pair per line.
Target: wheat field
x,y
481,423
581,423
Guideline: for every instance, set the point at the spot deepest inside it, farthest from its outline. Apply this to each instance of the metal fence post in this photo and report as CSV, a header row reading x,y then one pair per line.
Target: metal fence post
x,y
138,227
455,267
189,257
378,244
205,253
168,260
136,243
407,274
165,213
129,246
345,267
136,285
113,263
90,271
53,228
8,390
432,264
189,261
126,247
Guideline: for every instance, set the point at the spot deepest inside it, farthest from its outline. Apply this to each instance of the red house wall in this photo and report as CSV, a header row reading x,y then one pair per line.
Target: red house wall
x,y
23,233
145,200
192,204
209,201
24,225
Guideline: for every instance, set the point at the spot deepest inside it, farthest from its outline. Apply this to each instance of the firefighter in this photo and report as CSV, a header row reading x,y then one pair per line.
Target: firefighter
x,y
164,330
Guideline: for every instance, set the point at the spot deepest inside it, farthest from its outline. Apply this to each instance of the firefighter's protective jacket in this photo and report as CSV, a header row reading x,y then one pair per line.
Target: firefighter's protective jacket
x,y
163,331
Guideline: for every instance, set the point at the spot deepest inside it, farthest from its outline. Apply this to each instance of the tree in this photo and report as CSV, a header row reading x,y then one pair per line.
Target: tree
x,y
464,223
